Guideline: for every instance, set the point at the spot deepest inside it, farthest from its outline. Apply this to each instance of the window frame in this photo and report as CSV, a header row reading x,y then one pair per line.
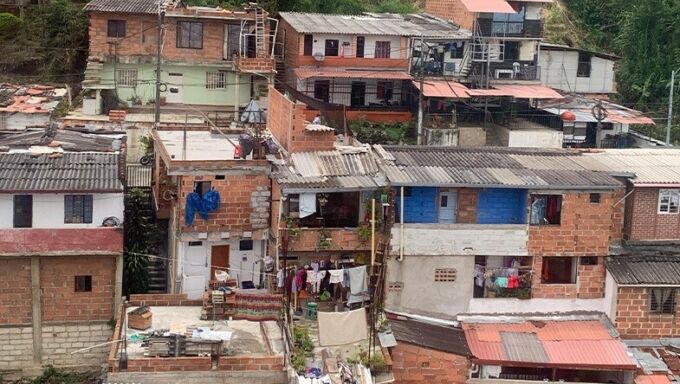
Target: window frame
x,y
113,27
595,198
361,43
670,193
383,50
27,222
384,90
573,273
199,187
127,77
534,198
334,51
584,66
180,34
318,85
84,204
308,45
82,283
242,245
215,80
653,309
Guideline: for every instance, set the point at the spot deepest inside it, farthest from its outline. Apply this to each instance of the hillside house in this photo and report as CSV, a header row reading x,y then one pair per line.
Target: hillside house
x,y
25,106
211,57
574,70
61,248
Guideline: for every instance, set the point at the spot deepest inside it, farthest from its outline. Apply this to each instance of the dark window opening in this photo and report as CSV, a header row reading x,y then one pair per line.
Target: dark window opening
x,y
189,35
195,243
558,270
233,36
358,94
662,300
595,198
511,51
589,260
116,28
77,209
245,245
23,211
333,210
83,283
309,45
382,50
219,177
361,43
457,50
584,64
322,89
546,209
332,47
202,187
385,90
407,191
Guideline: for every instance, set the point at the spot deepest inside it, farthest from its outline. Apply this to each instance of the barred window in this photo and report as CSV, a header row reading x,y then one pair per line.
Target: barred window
x,y
126,78
77,209
189,35
382,50
662,301
444,275
215,80
669,200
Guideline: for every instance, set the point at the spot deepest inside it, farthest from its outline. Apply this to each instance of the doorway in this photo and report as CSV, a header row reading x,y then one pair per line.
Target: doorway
x,y
358,95
447,207
219,259
175,85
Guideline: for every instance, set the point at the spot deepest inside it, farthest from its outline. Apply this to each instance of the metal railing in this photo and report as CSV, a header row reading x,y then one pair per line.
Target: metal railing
x,y
515,71
526,28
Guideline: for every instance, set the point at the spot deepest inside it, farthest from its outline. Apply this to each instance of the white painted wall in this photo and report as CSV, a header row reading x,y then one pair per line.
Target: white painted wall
x,y
527,50
20,121
319,45
512,305
462,239
48,210
611,295
533,11
536,138
553,74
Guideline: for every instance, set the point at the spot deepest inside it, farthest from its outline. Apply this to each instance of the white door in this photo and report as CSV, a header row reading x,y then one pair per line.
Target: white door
x,y
174,93
447,207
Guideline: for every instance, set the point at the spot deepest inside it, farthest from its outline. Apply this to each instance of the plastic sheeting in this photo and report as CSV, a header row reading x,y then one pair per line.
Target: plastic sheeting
x,y
253,113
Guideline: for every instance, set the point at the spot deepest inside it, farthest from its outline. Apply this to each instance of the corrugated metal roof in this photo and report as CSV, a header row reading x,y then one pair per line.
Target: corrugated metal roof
x,y
385,24
529,91
431,336
72,172
342,73
582,106
661,270
443,88
489,167
488,6
138,176
123,6
331,170
68,140
651,166
586,344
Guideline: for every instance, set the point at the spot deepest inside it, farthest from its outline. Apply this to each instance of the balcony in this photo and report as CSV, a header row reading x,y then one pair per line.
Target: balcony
x,y
329,239
526,28
509,70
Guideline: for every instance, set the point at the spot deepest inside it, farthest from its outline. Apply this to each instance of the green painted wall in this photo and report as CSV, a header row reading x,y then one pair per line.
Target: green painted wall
x,y
194,88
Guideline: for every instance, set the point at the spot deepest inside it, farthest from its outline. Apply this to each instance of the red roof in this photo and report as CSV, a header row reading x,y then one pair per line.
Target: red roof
x,y
488,6
305,73
529,91
443,88
582,344
652,379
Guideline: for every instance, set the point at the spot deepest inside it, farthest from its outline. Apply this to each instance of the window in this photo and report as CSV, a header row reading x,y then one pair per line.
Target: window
x,y
322,89
382,50
668,200
589,260
385,90
202,187
219,177
83,283
126,77
595,198
662,300
361,43
309,45
116,28
584,60
457,50
77,209
189,35
333,210
558,270
332,47
511,51
195,243
23,211
233,35
245,245
215,80
444,275
546,209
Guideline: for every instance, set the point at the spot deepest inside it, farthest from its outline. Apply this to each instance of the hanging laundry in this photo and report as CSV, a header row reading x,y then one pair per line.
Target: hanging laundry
x,y
336,276
307,204
339,328
502,282
358,280
212,200
195,203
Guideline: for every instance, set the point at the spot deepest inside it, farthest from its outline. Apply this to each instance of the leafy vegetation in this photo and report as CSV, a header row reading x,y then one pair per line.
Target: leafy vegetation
x,y
381,133
304,346
141,239
50,375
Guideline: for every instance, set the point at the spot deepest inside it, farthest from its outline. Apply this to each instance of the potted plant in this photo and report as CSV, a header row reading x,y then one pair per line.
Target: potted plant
x,y
364,232
324,239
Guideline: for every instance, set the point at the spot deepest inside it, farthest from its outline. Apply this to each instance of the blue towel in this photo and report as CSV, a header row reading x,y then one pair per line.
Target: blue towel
x,y
195,204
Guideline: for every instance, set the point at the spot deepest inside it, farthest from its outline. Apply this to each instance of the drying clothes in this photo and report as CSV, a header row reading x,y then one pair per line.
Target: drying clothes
x,y
307,204
212,200
502,282
345,278
315,266
279,278
340,328
336,276
195,203
319,278
311,277
358,280
513,282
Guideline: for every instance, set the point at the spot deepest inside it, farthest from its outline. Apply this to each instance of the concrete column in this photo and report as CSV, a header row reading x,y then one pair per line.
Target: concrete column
x,y
37,310
237,94
118,286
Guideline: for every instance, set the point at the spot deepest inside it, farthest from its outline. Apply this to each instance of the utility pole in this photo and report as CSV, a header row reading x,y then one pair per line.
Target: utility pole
x,y
159,42
420,94
670,110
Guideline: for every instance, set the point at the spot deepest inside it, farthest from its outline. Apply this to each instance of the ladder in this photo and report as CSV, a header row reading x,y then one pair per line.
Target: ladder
x,y
260,32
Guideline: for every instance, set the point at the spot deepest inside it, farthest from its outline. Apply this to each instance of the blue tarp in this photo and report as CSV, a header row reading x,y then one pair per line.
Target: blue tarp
x,y
210,202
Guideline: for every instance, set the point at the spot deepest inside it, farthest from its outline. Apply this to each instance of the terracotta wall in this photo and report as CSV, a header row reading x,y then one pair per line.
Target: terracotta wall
x,y
453,10
412,364
645,223
15,291
633,320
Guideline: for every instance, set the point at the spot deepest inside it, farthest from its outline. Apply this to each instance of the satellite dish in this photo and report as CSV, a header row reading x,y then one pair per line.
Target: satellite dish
x,y
319,56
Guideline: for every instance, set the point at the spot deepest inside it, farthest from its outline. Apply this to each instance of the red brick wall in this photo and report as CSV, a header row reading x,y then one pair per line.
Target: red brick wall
x,y
15,291
451,9
342,240
250,363
412,364
645,223
236,206
60,302
163,299
467,206
164,364
22,241
589,282
634,321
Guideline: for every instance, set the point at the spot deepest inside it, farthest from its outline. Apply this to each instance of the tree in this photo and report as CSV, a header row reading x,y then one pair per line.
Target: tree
x,y
141,239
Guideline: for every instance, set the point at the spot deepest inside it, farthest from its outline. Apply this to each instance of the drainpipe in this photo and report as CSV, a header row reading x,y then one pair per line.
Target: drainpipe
x,y
401,225
278,230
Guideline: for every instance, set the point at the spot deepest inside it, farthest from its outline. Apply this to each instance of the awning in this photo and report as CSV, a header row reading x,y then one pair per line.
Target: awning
x,y
487,92
306,73
529,91
443,88
652,379
488,6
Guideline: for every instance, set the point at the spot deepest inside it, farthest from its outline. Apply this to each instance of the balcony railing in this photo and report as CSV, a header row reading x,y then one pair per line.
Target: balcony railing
x,y
510,70
526,28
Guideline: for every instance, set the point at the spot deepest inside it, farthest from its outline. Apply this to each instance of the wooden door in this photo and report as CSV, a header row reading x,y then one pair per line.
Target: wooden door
x,y
219,259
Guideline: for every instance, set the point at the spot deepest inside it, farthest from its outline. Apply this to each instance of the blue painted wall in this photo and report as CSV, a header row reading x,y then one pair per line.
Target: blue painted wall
x,y
421,205
501,206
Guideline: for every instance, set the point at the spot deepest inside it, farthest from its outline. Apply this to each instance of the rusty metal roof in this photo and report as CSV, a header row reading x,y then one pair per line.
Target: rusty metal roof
x,y
489,167
439,337
59,172
68,140
350,169
648,270
566,344
123,6
29,98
